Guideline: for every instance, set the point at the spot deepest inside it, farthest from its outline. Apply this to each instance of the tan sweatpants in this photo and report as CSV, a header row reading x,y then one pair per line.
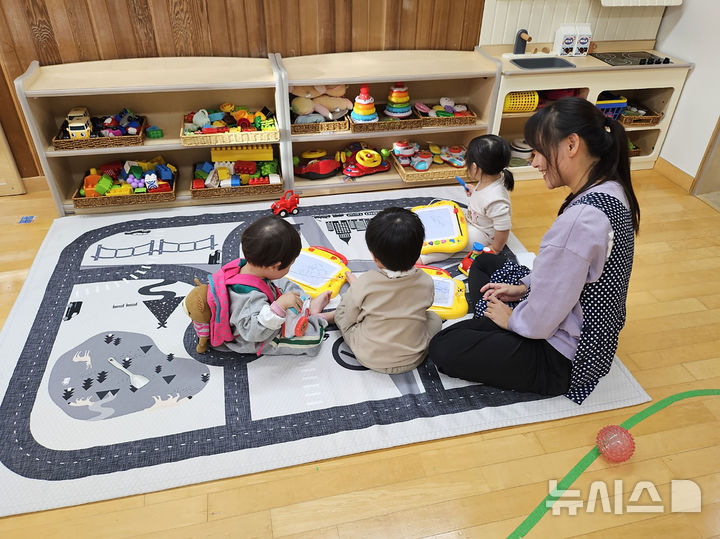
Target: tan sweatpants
x,y
351,337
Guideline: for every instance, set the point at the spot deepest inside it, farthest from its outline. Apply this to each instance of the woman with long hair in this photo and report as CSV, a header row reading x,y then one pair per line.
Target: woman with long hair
x,y
554,330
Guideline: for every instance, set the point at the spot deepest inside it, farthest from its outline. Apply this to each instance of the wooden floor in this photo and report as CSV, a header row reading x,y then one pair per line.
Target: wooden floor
x,y
480,485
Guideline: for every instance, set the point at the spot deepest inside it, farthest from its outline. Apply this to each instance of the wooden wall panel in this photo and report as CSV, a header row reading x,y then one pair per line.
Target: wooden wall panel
x,y
62,31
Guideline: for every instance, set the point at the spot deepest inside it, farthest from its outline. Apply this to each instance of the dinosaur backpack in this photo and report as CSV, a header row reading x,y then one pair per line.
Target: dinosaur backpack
x,y
219,302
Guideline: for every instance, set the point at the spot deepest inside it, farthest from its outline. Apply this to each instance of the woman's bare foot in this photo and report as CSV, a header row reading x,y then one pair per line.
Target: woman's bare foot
x,y
320,302
329,316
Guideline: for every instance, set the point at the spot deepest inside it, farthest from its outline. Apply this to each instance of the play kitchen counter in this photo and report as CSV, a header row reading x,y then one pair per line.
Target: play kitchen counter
x,y
652,88
589,63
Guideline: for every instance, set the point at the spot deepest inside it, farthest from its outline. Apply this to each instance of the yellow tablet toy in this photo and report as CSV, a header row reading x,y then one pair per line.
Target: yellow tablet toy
x,y
318,269
445,227
450,299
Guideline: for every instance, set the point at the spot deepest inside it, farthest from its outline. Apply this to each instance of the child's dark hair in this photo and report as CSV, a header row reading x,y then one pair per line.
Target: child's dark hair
x,y
491,154
395,236
604,137
270,240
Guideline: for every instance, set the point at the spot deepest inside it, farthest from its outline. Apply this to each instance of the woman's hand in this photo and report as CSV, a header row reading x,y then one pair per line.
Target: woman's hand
x,y
503,291
498,312
290,300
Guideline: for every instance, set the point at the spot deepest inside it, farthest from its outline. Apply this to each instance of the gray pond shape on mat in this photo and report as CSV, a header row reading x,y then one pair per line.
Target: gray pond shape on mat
x,y
86,385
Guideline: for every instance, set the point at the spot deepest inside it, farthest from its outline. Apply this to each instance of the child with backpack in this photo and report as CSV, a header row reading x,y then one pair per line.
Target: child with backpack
x,y
252,307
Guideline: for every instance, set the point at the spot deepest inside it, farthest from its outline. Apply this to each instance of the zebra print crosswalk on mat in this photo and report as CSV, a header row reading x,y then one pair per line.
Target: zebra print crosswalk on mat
x,y
103,394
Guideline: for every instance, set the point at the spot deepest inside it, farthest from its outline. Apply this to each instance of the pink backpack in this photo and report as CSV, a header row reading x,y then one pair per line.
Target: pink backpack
x,y
218,300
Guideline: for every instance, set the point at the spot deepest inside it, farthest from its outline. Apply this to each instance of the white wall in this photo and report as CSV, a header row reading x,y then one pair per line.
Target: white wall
x,y
688,32
503,18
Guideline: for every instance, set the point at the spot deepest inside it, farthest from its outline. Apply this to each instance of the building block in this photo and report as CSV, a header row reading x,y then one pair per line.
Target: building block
x,y
104,184
245,167
251,152
163,172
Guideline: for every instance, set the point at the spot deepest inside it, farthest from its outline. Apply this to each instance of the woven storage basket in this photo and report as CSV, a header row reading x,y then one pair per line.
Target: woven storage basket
x,y
391,124
124,200
322,127
241,191
435,172
241,137
649,118
449,121
521,101
100,142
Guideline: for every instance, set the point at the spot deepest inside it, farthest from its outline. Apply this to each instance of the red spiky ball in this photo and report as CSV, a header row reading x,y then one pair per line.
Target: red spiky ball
x,y
615,443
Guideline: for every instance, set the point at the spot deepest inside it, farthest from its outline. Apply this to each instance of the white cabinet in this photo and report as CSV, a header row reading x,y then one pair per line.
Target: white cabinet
x,y
657,87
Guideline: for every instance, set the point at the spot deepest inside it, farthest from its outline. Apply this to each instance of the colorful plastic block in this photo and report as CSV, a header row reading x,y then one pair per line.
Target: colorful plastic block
x,y
245,167
251,152
263,180
104,184
163,172
198,184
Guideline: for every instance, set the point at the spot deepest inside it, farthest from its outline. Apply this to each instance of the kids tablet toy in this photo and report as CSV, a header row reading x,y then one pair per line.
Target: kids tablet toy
x,y
450,299
445,227
318,269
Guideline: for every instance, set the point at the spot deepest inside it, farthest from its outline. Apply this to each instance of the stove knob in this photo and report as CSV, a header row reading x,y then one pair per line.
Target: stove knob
x,y
643,61
666,60
658,61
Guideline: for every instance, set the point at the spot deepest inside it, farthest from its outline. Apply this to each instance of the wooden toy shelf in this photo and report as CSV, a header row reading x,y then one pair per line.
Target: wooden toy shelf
x,y
161,89
465,76
164,89
656,87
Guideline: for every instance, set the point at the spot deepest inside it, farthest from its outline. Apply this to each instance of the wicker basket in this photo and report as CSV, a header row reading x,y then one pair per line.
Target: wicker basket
x,y
435,172
322,127
240,137
123,200
241,191
449,121
389,124
650,118
99,142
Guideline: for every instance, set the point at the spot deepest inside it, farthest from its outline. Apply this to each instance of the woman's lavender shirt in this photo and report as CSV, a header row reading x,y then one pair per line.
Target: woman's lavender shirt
x,y
573,252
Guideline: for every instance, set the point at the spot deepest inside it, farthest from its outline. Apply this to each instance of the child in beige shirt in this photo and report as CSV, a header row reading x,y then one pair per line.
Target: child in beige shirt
x,y
384,316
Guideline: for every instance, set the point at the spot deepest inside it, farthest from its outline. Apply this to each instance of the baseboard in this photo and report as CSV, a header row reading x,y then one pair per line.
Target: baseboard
x,y
674,174
35,184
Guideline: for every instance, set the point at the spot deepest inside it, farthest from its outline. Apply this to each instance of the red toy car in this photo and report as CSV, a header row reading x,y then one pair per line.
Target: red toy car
x,y
288,203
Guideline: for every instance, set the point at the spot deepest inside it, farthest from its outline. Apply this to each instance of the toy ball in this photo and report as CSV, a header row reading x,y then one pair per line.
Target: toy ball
x,y
615,443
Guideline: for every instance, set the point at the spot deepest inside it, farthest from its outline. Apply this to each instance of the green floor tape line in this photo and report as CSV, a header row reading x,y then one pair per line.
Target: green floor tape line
x,y
567,481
